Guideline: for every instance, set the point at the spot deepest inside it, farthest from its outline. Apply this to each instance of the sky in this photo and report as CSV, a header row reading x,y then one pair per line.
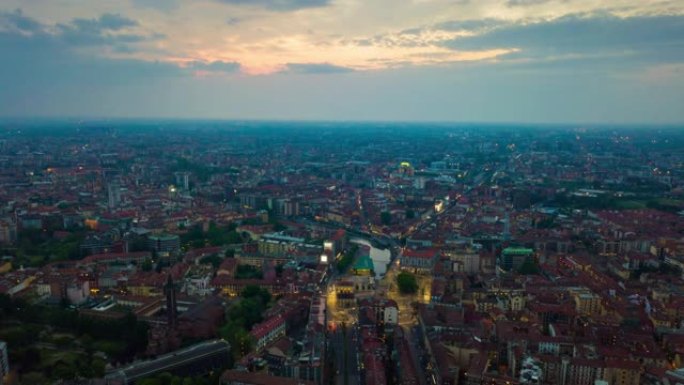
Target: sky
x,y
531,61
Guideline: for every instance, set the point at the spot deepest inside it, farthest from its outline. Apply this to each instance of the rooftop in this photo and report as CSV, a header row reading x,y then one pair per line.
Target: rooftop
x,y
517,251
248,378
364,263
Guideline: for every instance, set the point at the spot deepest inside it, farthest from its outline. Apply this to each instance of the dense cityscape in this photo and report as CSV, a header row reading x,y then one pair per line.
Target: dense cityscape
x,y
212,252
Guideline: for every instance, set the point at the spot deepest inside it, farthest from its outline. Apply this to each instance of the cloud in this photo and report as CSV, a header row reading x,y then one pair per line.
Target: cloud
x,y
49,59
215,66
315,68
280,5
162,5
16,22
52,55
110,21
35,53
233,20
664,74
108,29
470,25
647,37
525,3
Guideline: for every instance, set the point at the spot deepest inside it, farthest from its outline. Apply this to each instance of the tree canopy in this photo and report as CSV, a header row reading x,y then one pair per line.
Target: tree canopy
x,y
529,267
386,218
242,317
407,283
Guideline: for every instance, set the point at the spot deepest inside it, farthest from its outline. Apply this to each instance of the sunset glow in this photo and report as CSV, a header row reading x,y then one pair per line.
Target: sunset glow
x,y
232,44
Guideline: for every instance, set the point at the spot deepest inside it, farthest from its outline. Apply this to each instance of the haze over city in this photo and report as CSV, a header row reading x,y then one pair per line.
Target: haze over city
x,y
552,61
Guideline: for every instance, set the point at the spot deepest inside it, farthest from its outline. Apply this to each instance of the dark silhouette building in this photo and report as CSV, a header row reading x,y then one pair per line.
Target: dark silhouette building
x,y
171,308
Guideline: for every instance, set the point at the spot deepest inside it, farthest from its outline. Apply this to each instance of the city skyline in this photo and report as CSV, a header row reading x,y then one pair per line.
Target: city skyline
x,y
490,61
213,253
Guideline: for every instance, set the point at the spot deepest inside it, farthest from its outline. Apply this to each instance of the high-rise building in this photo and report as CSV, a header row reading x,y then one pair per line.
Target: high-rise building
x,y
183,180
113,195
507,228
171,308
164,244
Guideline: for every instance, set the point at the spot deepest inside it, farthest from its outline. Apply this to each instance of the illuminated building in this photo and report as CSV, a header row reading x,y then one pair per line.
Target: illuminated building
x,y
364,266
514,257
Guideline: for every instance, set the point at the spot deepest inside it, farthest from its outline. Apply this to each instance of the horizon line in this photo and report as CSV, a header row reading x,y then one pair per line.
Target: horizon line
x,y
98,119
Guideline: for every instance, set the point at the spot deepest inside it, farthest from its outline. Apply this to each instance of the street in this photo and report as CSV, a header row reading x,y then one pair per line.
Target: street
x,y
343,351
343,338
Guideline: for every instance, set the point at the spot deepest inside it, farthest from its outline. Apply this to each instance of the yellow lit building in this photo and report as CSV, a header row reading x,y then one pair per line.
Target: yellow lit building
x,y
588,303
5,267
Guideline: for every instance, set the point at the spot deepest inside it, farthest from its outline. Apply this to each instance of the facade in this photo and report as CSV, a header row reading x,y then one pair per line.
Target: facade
x,y
113,195
390,316
286,207
164,243
183,180
470,262
77,292
385,311
4,362
512,258
588,304
171,305
268,331
278,245
419,261
8,231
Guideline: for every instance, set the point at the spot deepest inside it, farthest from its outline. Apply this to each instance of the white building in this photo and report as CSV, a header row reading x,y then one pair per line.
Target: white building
x,y
391,315
78,292
268,331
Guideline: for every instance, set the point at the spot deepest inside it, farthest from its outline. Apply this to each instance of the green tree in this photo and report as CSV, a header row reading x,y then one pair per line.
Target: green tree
x,y
34,378
249,311
238,337
150,381
87,342
138,244
248,272
386,218
529,267
252,291
232,238
146,265
165,377
63,371
407,283
347,259
26,358
213,260
98,367
277,226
